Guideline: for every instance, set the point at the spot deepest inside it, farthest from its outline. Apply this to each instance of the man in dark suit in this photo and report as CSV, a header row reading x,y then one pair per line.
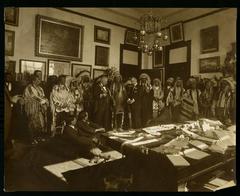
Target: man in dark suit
x,y
134,102
103,103
81,143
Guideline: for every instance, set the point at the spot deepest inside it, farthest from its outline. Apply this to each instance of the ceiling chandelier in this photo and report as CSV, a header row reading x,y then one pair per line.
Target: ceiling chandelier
x,y
151,35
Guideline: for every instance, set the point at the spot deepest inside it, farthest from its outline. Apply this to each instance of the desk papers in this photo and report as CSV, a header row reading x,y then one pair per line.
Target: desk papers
x,y
178,160
193,153
200,145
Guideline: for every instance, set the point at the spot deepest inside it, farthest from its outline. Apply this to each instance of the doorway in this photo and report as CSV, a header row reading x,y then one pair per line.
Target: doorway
x,y
130,61
178,60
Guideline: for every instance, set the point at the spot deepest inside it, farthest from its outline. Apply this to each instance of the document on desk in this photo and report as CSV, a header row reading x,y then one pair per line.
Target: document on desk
x,y
178,160
113,154
59,168
144,142
193,153
200,145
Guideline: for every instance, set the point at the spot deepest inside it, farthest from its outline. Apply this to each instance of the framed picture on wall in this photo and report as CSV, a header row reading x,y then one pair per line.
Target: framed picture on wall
x,y
98,72
131,37
27,67
102,35
9,42
58,67
11,15
10,67
101,56
58,39
78,68
209,39
158,57
176,32
209,65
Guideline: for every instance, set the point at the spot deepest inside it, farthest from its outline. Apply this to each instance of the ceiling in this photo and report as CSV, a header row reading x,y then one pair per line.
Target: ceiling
x,y
135,13
130,16
168,13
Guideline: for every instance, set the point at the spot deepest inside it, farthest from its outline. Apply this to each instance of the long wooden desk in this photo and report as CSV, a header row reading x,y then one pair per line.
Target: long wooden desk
x,y
160,172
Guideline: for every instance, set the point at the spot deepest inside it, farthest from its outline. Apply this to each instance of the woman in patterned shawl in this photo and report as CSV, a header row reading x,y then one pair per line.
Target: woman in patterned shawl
x,y
36,109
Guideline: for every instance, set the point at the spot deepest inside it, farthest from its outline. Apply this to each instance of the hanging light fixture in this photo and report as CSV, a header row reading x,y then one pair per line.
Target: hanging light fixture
x,y
150,35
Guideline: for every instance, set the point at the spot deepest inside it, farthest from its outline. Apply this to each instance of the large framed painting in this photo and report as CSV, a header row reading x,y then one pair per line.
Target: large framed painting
x,y
158,57
9,42
101,56
102,35
130,37
176,32
59,67
209,65
27,67
58,39
78,68
209,39
11,15
98,72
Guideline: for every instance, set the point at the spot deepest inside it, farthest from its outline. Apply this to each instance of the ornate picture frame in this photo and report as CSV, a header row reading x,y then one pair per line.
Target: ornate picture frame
x,y
10,67
129,37
102,35
77,68
11,16
209,65
60,33
209,39
176,32
158,59
28,67
102,56
98,72
9,42
58,67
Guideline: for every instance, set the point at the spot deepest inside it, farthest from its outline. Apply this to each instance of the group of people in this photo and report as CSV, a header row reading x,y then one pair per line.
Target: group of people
x,y
112,103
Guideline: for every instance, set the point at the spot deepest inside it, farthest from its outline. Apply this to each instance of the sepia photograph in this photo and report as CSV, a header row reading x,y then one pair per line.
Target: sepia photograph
x,y
11,15
120,99
102,35
208,65
9,42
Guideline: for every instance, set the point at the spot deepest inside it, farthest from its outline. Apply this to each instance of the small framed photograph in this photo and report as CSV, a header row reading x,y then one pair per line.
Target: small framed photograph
x,y
176,32
9,42
209,65
11,15
10,67
98,72
158,59
209,39
27,67
101,56
77,68
102,35
130,37
58,67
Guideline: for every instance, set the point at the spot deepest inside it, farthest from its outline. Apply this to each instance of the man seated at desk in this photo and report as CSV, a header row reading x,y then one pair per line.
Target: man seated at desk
x,y
85,144
87,127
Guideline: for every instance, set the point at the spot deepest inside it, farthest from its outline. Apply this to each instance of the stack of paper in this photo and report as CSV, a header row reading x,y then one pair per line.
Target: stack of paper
x,y
218,184
200,145
59,168
153,130
178,160
193,153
